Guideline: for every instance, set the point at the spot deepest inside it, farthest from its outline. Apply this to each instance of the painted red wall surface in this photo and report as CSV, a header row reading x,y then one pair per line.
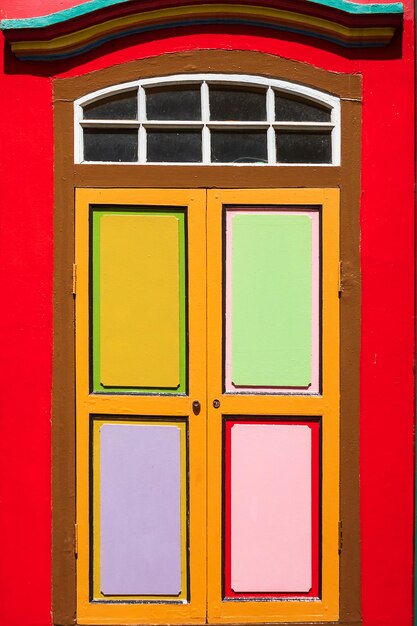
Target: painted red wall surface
x,y
387,256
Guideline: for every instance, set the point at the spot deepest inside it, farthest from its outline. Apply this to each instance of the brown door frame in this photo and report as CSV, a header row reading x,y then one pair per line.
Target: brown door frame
x,y
69,176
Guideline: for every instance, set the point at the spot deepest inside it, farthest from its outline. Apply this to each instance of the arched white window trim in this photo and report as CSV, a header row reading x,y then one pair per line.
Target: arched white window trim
x,y
314,95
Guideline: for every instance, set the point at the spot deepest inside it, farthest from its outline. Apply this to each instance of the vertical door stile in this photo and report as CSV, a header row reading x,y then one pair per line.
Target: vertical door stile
x,y
214,393
197,470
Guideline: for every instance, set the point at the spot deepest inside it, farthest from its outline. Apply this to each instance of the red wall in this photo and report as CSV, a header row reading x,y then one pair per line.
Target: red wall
x,y
387,253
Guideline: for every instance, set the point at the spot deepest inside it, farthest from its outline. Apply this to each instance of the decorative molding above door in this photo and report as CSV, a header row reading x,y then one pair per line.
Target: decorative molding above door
x,y
82,28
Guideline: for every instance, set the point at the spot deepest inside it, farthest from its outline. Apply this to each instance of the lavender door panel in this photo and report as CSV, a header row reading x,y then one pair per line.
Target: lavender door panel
x,y
140,509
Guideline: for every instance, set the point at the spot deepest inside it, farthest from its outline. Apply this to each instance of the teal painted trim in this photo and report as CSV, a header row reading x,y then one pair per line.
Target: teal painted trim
x,y
60,16
65,15
354,8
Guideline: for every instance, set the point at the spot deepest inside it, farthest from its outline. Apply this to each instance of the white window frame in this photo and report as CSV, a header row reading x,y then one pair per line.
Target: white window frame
x,y
307,93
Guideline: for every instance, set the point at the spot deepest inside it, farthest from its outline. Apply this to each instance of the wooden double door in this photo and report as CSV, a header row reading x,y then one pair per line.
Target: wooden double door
x,y
207,382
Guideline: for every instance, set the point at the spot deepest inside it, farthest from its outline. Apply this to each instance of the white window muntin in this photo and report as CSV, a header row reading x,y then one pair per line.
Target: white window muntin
x,y
272,85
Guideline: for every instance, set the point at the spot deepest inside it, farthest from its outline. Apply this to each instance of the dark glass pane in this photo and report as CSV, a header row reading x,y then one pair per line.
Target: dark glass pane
x,y
237,104
122,106
295,109
304,147
243,146
173,103
110,144
174,146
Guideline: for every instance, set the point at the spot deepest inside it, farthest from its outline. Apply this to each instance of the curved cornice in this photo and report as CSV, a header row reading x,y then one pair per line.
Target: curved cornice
x,y
81,28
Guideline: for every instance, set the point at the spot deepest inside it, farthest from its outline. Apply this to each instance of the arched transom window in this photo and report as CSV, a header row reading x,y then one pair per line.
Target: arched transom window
x,y
208,119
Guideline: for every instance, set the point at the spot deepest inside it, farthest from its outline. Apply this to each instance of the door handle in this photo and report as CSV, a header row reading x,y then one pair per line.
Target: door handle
x,y
196,407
